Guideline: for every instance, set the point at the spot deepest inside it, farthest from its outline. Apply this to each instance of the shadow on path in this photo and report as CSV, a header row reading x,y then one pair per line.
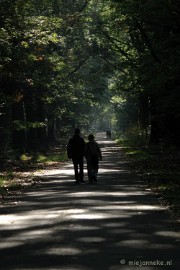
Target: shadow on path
x,y
116,224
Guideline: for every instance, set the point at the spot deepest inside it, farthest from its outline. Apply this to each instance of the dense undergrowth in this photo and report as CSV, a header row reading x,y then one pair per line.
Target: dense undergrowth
x,y
159,166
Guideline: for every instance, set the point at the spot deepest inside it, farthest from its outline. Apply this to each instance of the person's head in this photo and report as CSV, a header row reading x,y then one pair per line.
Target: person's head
x,y
77,131
91,137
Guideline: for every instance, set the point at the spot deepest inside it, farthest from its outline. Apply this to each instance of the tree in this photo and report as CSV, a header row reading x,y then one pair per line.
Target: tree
x,y
143,36
62,62
44,70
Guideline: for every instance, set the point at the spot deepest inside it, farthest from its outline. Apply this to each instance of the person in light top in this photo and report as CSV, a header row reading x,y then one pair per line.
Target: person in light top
x,y
92,155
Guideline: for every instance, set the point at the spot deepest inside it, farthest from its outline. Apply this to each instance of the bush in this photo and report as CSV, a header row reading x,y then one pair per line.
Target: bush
x,y
137,136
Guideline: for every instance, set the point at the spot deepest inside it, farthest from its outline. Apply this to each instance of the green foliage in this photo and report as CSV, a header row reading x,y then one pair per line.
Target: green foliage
x,y
59,157
137,136
1,181
4,178
41,158
64,63
25,157
18,125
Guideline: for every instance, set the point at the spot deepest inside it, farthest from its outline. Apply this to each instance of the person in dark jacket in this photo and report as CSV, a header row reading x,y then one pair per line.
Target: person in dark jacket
x,y
93,155
75,151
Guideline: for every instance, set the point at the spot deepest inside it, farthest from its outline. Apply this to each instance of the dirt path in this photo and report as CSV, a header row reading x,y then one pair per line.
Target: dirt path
x,y
115,224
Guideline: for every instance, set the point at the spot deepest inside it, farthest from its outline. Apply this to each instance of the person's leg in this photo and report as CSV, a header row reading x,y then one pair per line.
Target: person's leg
x,y
95,174
95,168
81,170
89,169
75,162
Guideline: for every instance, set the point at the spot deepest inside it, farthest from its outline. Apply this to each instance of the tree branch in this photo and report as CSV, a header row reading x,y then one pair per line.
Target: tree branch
x,y
113,41
148,42
81,63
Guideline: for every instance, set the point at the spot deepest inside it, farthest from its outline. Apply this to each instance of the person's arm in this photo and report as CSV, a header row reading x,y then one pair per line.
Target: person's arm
x,y
85,150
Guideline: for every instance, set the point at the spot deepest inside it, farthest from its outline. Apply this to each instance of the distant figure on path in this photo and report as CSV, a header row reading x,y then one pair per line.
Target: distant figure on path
x,y
75,151
108,134
93,155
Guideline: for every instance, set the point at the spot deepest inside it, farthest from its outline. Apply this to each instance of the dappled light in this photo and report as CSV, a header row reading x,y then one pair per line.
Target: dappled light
x,y
108,69
60,225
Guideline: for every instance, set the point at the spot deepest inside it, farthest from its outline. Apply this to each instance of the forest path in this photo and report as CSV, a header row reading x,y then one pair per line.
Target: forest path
x,y
115,224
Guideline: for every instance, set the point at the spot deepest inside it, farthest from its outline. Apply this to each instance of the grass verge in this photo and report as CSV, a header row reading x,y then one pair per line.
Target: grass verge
x,y
17,176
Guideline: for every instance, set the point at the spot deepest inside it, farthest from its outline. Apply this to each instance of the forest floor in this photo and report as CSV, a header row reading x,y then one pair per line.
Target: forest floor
x,y
20,175
118,223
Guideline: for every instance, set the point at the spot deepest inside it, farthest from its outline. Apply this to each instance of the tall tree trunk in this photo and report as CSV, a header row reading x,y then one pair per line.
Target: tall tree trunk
x,y
36,133
19,138
5,130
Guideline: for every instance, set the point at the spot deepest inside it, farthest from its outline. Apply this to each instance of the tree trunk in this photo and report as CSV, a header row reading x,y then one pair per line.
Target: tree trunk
x,y
19,138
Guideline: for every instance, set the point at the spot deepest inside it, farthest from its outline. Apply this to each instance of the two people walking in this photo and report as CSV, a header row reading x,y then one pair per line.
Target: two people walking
x,y
77,149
